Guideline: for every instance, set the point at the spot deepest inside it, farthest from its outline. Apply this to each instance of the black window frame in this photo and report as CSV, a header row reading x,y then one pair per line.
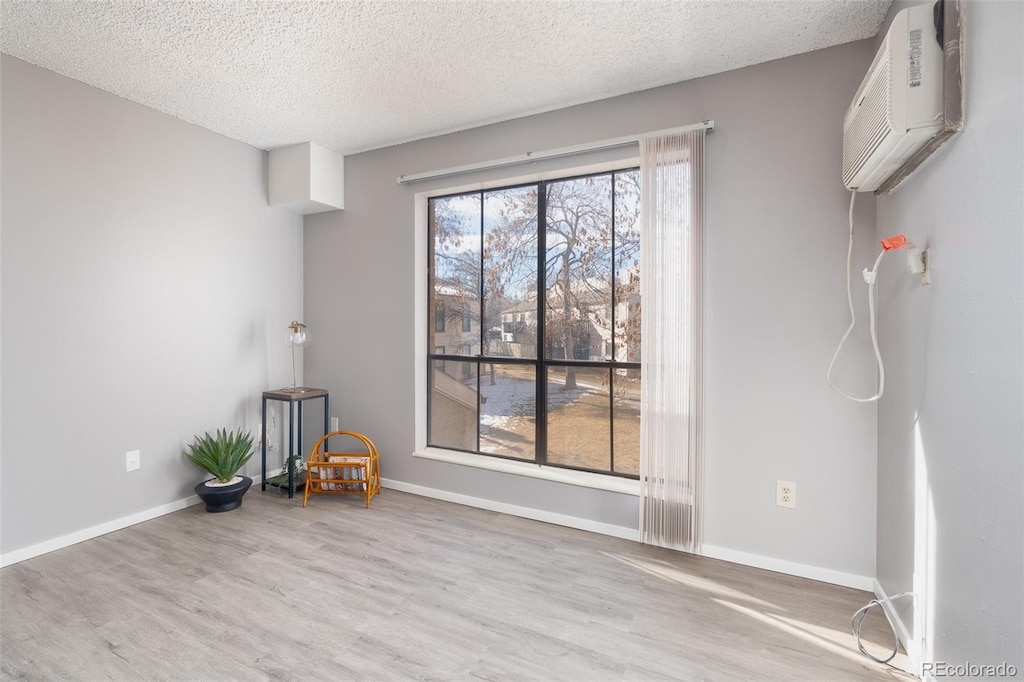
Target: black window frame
x,y
542,363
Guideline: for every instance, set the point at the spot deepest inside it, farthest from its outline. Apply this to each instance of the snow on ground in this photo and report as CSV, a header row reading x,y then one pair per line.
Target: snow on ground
x,y
509,402
510,399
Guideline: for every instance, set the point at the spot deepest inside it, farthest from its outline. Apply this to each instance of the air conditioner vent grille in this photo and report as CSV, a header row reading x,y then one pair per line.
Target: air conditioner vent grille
x,y
870,122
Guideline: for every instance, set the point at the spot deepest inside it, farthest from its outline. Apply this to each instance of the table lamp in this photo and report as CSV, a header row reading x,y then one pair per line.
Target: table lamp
x,y
297,338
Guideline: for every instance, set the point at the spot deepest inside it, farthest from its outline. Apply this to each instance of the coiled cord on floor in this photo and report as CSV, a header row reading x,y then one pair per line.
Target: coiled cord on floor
x,y
858,620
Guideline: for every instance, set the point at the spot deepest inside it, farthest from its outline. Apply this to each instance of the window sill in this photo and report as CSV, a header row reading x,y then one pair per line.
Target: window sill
x,y
586,479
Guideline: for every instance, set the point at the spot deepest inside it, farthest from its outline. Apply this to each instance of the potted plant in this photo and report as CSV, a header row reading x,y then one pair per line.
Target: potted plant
x,y
298,475
222,454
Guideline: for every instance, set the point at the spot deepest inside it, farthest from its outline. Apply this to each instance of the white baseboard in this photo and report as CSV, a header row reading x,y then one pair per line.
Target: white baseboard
x,y
74,538
900,628
94,531
515,510
859,582
825,575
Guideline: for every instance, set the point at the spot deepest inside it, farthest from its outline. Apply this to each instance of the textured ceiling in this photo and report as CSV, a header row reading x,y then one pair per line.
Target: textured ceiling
x,y
353,76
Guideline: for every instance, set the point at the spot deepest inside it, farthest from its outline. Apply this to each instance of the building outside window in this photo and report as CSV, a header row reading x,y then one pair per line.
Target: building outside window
x,y
439,315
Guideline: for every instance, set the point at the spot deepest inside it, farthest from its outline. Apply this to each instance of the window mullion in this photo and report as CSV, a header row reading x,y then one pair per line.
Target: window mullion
x,y
479,404
611,418
615,283
614,354
482,279
541,422
479,365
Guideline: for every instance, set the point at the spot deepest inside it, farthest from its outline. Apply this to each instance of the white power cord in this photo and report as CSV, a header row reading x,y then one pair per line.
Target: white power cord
x,y
869,277
858,620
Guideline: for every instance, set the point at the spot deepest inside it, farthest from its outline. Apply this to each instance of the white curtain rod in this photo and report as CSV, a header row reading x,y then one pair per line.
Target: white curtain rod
x,y
530,157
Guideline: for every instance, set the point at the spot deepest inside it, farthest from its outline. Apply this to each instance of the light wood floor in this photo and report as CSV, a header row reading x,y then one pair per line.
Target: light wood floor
x,y
413,588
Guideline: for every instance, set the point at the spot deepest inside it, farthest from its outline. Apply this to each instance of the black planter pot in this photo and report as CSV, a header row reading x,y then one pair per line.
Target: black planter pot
x,y
223,498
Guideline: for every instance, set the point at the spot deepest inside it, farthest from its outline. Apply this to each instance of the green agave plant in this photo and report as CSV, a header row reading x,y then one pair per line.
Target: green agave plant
x,y
222,454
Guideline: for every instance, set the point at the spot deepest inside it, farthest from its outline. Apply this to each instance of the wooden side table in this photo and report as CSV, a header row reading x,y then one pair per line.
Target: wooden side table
x,y
294,398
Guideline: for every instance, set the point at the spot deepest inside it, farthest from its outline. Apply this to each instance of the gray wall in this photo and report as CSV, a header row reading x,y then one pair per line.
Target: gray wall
x,y
955,379
145,291
776,235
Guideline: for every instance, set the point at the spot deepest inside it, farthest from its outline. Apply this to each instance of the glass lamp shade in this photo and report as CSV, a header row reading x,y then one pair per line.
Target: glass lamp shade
x,y
298,334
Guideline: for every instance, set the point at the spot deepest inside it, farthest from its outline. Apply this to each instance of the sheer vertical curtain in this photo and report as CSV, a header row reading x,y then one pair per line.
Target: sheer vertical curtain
x,y
671,281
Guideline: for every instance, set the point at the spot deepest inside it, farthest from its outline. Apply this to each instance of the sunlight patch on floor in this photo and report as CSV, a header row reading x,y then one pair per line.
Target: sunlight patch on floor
x,y
667,571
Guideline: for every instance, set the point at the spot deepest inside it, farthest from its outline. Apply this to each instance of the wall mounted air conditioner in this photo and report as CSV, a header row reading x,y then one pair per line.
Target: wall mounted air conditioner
x,y
898,106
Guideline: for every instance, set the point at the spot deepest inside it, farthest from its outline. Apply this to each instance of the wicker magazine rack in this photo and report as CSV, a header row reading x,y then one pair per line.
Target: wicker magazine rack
x,y
343,473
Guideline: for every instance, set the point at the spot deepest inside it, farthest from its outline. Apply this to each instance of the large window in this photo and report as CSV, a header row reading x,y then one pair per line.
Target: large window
x,y
554,377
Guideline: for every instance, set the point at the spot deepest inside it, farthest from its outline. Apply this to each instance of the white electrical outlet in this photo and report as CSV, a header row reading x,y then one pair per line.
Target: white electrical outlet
x,y
785,494
132,460
334,423
265,437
